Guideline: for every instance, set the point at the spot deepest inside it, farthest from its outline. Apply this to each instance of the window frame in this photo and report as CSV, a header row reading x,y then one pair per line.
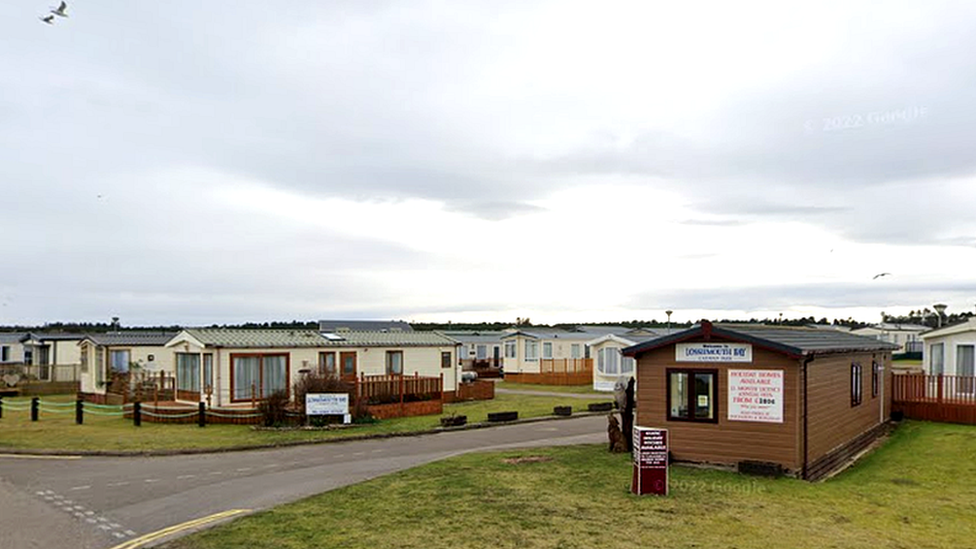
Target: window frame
x,y
875,378
206,368
260,387
575,350
713,398
534,345
941,356
446,359
857,384
324,364
180,378
547,350
387,362
514,349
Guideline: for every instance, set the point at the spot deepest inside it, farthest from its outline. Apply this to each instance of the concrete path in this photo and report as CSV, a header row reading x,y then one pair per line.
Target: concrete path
x,y
96,503
535,392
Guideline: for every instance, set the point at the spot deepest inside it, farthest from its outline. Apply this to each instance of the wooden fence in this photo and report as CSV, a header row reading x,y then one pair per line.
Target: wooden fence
x,y
387,389
950,399
557,371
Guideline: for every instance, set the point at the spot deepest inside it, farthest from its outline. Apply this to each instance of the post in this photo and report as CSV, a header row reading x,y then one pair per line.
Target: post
x,y
1,406
137,414
254,396
442,387
939,390
202,418
35,408
79,411
401,393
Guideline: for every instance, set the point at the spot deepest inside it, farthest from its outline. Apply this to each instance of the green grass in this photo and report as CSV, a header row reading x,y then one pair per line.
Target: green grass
x,y
906,362
918,491
59,432
578,389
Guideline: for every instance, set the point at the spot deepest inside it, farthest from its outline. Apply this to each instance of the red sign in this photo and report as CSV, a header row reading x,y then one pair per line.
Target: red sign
x,y
650,461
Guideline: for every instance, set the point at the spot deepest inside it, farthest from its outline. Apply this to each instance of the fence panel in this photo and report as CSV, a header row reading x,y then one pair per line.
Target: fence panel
x,y
935,397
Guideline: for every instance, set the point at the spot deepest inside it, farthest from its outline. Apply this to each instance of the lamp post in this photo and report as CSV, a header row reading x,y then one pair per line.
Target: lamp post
x,y
669,320
940,309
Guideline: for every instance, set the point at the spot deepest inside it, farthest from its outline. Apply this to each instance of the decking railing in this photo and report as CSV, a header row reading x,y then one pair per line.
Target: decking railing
x,y
945,398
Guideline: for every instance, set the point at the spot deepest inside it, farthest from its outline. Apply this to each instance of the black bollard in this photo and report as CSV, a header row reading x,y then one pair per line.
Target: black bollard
x,y
79,411
35,408
137,414
202,420
1,406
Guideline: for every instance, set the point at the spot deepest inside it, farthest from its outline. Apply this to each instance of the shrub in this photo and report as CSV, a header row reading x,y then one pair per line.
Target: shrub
x,y
274,409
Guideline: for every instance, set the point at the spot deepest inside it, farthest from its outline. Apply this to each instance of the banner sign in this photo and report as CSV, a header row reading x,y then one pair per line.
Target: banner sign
x,y
713,352
326,404
756,395
650,461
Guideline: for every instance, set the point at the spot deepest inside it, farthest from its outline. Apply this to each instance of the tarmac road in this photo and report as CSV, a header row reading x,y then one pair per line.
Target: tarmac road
x,y
98,502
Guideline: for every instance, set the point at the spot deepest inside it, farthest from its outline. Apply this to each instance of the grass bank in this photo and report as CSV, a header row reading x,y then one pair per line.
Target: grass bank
x,y
918,491
59,432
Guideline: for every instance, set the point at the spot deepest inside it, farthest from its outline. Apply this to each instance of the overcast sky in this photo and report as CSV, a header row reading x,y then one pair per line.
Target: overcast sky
x,y
188,162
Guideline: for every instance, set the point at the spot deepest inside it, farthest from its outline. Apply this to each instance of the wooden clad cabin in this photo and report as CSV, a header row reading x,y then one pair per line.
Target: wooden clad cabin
x,y
770,398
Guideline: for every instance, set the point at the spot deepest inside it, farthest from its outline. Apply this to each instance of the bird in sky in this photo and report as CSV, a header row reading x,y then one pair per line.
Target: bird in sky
x,y
49,19
879,275
61,11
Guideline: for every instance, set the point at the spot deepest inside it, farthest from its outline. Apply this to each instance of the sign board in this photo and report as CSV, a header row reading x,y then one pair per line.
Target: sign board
x,y
650,461
326,404
713,352
756,395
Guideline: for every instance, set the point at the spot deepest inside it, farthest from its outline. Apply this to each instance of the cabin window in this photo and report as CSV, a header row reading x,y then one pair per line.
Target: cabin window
x,y
119,360
482,352
966,367
445,359
937,359
327,364
5,353
531,350
607,361
258,375
547,350
574,350
627,365
510,349
394,362
693,395
208,375
856,384
188,372
875,378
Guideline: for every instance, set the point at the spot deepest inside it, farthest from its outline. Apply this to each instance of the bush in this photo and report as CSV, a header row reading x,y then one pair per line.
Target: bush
x,y
274,409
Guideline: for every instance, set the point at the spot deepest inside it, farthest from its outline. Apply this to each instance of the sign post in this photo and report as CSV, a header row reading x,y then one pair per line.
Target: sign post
x,y
650,462
328,404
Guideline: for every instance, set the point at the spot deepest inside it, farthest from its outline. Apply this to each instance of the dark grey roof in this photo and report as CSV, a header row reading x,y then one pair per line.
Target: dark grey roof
x,y
58,336
12,337
364,326
486,337
794,341
388,339
134,339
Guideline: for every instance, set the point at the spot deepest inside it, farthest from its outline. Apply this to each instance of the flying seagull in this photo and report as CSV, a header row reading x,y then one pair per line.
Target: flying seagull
x,y
49,19
60,12
877,276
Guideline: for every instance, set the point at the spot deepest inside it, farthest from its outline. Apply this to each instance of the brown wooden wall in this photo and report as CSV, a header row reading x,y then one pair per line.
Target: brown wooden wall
x,y
725,442
831,420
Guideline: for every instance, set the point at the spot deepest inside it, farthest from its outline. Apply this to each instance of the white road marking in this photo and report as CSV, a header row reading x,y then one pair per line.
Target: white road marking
x,y
91,521
84,487
359,454
41,493
114,484
79,508
115,525
216,472
339,456
376,451
89,513
69,502
183,477
152,480
119,535
80,515
105,527
130,533
102,519
242,469
270,465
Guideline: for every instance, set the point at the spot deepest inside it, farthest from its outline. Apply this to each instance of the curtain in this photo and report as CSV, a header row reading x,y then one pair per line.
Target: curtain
x,y
246,373
188,372
274,375
119,360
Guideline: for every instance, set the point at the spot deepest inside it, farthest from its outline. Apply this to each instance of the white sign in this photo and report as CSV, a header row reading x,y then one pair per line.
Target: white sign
x,y
713,352
326,404
756,395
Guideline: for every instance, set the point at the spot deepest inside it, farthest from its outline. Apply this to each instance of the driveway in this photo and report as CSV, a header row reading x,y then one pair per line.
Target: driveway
x,y
97,503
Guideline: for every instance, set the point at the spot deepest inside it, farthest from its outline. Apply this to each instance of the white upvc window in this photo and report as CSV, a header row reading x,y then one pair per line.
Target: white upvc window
x,y
510,350
547,350
531,350
482,352
627,365
574,350
937,359
608,360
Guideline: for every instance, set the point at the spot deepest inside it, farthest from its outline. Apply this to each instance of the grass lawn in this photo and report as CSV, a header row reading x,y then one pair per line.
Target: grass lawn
x,y
906,363
918,491
58,431
580,389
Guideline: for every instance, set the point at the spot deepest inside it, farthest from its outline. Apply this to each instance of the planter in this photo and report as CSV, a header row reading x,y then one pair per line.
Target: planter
x,y
600,407
502,416
454,421
562,411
